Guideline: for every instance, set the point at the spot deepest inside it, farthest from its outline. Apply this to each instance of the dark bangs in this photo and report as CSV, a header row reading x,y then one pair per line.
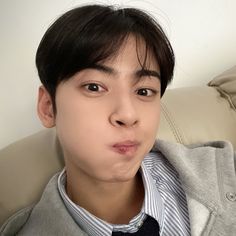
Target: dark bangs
x,y
90,34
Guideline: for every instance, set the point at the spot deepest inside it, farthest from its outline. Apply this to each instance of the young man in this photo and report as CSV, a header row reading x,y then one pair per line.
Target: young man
x,y
103,72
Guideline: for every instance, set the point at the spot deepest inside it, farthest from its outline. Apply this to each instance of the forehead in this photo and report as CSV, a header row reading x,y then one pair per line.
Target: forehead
x,y
135,51
133,59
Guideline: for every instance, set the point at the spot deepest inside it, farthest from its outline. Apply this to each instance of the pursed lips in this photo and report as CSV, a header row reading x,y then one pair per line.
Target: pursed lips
x,y
126,147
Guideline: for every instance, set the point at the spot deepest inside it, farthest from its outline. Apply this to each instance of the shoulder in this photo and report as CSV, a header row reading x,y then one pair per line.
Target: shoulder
x,y
204,151
203,161
163,145
14,224
49,216
19,220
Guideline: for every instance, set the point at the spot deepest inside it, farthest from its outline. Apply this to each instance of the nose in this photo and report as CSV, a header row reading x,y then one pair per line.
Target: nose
x,y
124,113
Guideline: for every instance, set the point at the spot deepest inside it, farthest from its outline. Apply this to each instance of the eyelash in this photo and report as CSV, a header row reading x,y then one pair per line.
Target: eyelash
x,y
154,92
86,85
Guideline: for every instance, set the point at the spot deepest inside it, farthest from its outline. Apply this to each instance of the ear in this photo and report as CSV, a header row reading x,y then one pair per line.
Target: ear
x,y
45,108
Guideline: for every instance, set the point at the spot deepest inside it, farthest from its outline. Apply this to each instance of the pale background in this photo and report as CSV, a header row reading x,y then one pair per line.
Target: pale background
x,y
202,33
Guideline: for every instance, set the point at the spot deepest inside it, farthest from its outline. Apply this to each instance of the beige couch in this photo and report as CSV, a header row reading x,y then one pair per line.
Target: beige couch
x,y
193,114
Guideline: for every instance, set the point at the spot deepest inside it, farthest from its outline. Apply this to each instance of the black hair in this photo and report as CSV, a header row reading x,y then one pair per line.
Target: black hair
x,y
89,34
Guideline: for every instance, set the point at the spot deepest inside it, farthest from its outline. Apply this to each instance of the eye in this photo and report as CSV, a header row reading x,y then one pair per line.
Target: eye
x,y
146,92
93,87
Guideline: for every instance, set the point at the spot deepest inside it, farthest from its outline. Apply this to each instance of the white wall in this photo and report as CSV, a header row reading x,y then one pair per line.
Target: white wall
x,y
202,33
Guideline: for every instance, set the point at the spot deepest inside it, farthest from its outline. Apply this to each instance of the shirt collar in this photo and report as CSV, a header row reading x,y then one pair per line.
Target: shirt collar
x,y
91,224
152,206
153,203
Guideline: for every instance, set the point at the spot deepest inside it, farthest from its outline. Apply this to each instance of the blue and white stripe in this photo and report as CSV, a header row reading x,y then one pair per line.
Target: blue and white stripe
x,y
164,200
176,218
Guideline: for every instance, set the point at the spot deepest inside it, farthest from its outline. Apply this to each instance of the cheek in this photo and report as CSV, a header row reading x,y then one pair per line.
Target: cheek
x,y
76,132
151,120
79,123
150,128
156,121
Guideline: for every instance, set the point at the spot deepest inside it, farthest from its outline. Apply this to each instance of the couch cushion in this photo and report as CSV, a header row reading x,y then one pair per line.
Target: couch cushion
x,y
196,114
225,83
25,168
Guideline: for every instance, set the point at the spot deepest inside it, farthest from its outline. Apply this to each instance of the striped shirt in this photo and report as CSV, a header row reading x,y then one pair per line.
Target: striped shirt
x,y
164,200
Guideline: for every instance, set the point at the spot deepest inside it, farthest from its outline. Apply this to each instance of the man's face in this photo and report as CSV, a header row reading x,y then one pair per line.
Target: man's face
x,y
108,116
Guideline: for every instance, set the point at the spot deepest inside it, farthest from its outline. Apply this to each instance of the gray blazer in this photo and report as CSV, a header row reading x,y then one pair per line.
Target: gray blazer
x,y
207,172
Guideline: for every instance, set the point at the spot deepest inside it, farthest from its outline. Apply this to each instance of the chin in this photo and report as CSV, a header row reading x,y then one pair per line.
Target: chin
x,y
124,176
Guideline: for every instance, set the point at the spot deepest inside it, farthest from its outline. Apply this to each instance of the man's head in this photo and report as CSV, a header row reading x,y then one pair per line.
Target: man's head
x,y
103,72
87,35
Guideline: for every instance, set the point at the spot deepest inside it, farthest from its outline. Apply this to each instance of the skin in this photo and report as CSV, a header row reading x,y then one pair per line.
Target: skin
x,y
97,108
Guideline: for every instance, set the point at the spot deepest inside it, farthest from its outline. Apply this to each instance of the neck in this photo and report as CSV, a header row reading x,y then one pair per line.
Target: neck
x,y
116,203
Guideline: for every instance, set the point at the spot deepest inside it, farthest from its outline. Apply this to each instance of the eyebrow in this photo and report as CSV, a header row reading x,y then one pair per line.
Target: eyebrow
x,y
138,74
145,72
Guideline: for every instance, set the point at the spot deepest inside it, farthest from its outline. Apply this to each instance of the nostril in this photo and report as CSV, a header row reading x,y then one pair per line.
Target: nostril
x,y
119,122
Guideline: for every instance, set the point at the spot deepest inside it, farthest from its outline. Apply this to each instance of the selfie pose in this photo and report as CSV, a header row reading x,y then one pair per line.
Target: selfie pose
x,y
104,71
